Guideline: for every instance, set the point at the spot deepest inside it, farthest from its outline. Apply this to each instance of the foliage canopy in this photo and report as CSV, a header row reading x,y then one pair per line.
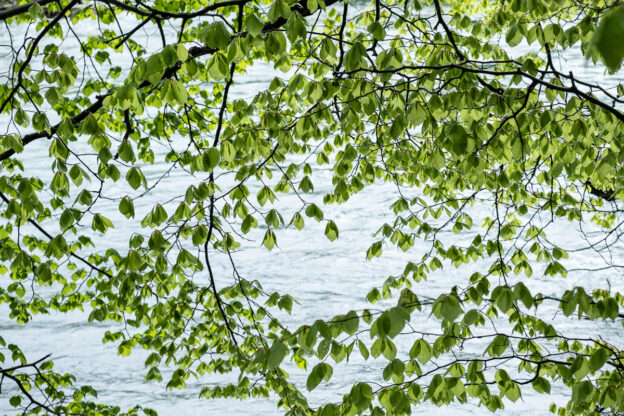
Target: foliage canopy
x,y
462,107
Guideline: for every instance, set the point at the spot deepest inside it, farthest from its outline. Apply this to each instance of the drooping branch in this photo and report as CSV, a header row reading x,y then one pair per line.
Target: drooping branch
x,y
194,52
71,253
9,374
31,52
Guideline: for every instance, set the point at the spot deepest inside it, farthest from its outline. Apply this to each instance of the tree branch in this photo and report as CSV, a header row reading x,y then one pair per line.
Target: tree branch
x,y
9,12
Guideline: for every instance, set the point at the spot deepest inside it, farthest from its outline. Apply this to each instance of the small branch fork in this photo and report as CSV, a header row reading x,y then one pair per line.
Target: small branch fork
x,y
9,373
211,217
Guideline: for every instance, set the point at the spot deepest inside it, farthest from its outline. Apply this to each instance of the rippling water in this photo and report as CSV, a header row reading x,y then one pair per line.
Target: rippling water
x,y
326,278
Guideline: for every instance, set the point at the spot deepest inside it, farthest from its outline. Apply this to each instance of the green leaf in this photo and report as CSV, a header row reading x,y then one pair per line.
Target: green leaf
x,y
522,293
497,347
447,307
101,223
90,125
296,27
513,36
279,8
320,372
210,159
216,35
314,379
355,57
377,31
41,123
181,52
351,322
135,177
228,151
53,96
218,67
298,221
541,385
12,141
275,43
315,212
582,390
598,358
269,240
607,38
460,143
363,350
22,119
276,354
253,24
126,207
504,298
513,392
200,234
421,350
125,152
331,231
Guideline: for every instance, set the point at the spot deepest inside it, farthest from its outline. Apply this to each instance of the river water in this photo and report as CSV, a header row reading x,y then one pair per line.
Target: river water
x,y
325,278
